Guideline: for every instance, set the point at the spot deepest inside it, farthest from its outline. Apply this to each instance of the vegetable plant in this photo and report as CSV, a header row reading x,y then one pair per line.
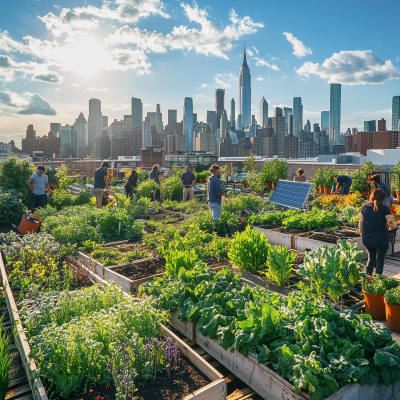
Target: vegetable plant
x,y
7,371
378,284
177,259
279,263
311,220
392,296
145,189
249,250
11,207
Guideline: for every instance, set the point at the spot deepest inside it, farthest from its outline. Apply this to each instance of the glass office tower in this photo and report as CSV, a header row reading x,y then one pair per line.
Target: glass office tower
x,y
297,116
188,123
334,112
395,113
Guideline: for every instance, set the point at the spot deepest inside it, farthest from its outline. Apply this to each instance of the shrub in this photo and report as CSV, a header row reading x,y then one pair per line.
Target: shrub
x,y
60,198
171,188
145,189
11,207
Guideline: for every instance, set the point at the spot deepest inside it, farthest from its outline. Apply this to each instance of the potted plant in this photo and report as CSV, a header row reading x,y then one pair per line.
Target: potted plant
x,y
319,180
329,180
359,183
374,290
392,304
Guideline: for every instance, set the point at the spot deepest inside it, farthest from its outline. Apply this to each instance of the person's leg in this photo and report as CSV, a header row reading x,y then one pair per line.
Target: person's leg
x,y
380,259
346,189
99,197
218,210
371,259
32,203
41,200
212,209
191,193
185,194
154,195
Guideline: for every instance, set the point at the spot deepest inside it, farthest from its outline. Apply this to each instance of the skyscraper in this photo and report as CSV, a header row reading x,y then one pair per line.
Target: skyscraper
x,y
245,93
224,124
212,120
334,111
105,121
287,113
55,129
279,125
307,126
370,126
219,104
95,124
188,123
146,132
137,112
152,116
324,121
297,116
240,122
263,112
159,123
172,116
233,122
395,113
81,135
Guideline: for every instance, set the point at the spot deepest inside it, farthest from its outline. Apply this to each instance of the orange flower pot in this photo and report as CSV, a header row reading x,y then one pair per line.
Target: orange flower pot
x,y
393,317
328,190
364,193
268,184
398,196
202,180
375,305
321,189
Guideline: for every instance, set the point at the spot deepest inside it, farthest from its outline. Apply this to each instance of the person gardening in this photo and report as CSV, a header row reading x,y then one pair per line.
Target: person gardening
x,y
376,180
131,183
154,176
215,192
300,176
346,181
38,183
374,219
101,183
187,181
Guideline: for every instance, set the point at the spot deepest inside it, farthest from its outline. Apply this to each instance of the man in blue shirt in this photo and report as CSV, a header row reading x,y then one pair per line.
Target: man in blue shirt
x,y
100,183
346,180
187,181
215,192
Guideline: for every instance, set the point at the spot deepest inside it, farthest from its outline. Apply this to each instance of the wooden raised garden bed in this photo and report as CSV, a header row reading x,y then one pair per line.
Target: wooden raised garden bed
x,y
269,384
277,236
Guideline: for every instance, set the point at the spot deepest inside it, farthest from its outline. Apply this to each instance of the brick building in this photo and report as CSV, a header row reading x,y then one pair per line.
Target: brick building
x,y
363,141
49,144
152,155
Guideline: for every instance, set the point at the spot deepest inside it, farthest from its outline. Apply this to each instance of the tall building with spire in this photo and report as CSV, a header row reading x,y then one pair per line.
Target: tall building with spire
x,y
263,112
245,92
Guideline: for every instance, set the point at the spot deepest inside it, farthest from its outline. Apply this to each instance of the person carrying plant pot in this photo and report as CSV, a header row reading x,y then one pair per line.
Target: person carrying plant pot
x,y
376,180
215,192
346,180
300,176
38,183
101,183
154,176
187,181
374,216
131,183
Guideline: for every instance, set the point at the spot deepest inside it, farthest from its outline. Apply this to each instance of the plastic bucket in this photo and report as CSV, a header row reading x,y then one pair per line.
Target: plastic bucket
x,y
27,226
393,317
375,305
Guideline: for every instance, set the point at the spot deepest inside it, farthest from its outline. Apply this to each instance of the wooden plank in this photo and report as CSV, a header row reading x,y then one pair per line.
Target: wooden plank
x,y
18,392
214,391
230,378
187,328
35,384
25,397
17,381
241,394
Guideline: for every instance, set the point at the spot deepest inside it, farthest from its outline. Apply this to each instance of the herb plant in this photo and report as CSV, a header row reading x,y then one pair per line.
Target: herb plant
x,y
392,296
378,284
249,250
279,263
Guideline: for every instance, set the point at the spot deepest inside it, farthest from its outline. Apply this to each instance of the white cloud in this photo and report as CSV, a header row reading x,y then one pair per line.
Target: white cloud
x,y
225,80
255,50
352,68
259,79
209,40
262,62
51,77
299,50
97,90
398,58
250,53
37,105
75,84
204,85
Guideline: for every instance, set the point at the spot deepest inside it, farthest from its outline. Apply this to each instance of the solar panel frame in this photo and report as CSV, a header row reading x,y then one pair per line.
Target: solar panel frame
x,y
291,194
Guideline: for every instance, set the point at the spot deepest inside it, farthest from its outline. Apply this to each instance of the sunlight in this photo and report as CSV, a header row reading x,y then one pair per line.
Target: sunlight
x,y
86,56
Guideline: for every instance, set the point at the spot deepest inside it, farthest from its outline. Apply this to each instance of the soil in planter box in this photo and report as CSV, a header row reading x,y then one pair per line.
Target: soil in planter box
x,y
353,297
331,236
141,270
299,258
176,387
291,230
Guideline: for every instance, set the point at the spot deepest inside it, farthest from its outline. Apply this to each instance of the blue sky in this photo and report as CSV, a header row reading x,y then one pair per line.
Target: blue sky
x,y
55,56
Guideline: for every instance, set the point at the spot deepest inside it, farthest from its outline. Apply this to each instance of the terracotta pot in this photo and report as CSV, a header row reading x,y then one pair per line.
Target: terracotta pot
x,y
364,193
268,184
202,180
393,194
398,196
328,190
321,189
375,305
393,317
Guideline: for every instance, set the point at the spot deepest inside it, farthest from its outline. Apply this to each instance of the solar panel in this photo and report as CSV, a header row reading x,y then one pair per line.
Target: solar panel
x,y
291,194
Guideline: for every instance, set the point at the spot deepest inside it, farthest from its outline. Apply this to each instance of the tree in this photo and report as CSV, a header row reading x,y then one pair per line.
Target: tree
x,y
250,165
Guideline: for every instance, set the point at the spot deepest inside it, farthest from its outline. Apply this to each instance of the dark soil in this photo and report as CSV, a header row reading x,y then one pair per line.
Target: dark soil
x,y
141,270
353,297
299,258
291,230
332,236
176,387
270,226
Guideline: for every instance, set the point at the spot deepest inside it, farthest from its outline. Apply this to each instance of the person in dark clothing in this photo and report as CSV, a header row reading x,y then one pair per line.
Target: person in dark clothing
x,y
215,192
373,230
300,176
154,176
101,183
346,180
376,181
131,183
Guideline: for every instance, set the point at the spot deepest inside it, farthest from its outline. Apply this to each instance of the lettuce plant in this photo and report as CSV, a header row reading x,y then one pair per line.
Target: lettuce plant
x,y
279,263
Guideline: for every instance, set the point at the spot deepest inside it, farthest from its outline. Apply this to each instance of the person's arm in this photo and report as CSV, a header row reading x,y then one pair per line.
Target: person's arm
x,y
361,223
48,188
391,222
182,183
30,184
106,183
337,187
193,182
219,190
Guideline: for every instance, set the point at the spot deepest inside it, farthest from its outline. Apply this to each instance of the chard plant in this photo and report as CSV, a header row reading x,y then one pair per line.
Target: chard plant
x,y
279,263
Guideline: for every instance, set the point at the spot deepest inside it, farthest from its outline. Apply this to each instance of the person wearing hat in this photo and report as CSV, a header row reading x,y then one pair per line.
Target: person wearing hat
x,y
38,183
187,181
100,183
346,180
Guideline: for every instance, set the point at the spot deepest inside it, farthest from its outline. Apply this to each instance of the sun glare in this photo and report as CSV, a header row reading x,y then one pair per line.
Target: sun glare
x,y
86,56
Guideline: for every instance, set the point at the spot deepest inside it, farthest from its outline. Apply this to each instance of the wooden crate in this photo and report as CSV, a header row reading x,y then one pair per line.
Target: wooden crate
x,y
21,341
270,385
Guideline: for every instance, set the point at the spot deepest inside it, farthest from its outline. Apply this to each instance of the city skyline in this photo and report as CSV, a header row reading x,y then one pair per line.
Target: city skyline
x,y
45,66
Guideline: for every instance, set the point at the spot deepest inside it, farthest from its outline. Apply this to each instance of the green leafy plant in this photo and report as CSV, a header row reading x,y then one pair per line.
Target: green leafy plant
x,y
249,250
279,263
7,372
177,259
145,189
378,284
60,198
171,188
11,207
392,296
311,220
